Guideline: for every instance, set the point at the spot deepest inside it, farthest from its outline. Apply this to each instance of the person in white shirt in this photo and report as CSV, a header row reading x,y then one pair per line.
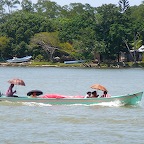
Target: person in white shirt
x,y
105,95
88,95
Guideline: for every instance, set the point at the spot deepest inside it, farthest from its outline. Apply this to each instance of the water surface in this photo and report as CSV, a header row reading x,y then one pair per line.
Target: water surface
x,y
33,123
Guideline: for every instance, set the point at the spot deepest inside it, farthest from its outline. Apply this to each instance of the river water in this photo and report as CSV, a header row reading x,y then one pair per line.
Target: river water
x,y
32,123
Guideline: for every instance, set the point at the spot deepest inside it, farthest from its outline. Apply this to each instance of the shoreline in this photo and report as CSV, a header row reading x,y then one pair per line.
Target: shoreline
x,y
79,65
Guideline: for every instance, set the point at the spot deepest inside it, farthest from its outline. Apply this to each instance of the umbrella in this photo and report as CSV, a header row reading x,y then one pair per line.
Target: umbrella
x,y
37,92
17,82
99,87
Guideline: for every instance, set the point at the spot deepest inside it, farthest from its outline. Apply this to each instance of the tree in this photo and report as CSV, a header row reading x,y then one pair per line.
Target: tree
x,y
76,9
27,6
10,4
47,41
21,50
118,33
136,31
47,8
4,46
21,26
137,22
72,29
2,10
50,43
123,5
82,30
112,28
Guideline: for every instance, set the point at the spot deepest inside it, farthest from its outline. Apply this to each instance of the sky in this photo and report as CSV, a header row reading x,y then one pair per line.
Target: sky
x,y
93,3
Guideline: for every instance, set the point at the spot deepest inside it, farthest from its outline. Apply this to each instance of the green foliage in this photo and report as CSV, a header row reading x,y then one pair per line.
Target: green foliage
x,y
49,42
27,6
21,26
47,8
4,46
39,58
10,4
46,30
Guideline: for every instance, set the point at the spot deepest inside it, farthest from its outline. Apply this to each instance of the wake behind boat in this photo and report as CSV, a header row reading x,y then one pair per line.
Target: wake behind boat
x,y
129,99
19,60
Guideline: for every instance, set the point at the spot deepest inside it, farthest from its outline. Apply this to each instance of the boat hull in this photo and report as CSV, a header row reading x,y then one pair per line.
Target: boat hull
x,y
130,99
19,60
74,61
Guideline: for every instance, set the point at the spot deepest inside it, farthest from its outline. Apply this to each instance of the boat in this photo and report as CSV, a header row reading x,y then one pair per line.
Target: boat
x,y
74,61
19,60
55,99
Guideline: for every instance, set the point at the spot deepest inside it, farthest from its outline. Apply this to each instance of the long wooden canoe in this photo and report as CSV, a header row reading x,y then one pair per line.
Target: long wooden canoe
x,y
129,99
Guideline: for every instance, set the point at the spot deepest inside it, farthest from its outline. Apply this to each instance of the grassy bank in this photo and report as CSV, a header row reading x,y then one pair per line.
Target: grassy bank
x,y
92,65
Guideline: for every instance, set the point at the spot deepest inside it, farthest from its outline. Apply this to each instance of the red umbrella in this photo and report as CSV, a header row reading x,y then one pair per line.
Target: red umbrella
x,y
99,87
17,81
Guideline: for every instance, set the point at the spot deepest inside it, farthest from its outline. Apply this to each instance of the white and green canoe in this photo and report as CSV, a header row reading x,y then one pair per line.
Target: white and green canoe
x,y
129,99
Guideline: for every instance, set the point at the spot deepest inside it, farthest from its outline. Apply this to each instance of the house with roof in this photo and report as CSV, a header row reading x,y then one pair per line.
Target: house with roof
x,y
137,55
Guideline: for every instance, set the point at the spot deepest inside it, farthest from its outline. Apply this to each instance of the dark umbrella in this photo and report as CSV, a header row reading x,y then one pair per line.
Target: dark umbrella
x,y
37,92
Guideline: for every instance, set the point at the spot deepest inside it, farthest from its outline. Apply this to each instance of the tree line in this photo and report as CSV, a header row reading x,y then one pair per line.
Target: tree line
x,y
47,30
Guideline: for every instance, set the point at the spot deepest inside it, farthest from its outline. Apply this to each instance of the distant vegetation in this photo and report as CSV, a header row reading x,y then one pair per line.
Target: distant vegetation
x,y
48,31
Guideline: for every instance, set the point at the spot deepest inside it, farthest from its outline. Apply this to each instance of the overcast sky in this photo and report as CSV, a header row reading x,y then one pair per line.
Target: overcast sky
x,y
93,3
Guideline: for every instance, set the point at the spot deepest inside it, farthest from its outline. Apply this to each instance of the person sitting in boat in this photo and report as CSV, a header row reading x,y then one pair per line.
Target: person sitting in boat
x,y
94,94
105,94
88,95
10,92
34,95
